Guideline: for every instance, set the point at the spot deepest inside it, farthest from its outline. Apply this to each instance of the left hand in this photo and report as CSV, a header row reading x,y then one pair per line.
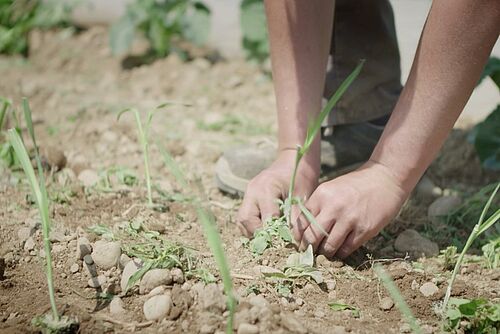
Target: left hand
x,y
352,209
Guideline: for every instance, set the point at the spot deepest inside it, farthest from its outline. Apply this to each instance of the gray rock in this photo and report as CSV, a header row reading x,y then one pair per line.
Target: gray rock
x,y
428,289
88,177
97,282
159,290
153,279
210,297
291,323
24,233
83,248
442,207
53,157
386,303
57,236
157,307
259,301
130,269
124,259
116,306
426,190
106,254
177,275
29,245
411,242
248,329
74,268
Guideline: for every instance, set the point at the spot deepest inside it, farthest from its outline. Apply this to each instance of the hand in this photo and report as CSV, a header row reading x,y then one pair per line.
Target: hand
x,y
352,209
260,201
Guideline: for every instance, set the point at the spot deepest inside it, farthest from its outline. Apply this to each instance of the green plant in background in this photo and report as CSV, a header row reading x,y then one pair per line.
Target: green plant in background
x,y
162,23
472,316
8,158
19,17
486,135
254,32
491,253
481,226
52,322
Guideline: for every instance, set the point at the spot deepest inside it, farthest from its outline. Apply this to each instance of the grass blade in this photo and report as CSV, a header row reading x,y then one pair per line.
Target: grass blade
x,y
3,111
172,165
310,217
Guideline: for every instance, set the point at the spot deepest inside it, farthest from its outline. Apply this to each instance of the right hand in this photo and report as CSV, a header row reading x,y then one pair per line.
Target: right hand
x,y
263,191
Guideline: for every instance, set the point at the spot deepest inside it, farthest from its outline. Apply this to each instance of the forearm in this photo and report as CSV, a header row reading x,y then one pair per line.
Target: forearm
x,y
454,46
299,34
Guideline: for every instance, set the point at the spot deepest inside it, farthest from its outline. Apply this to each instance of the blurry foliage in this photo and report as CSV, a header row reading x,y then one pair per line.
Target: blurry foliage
x,y
161,22
254,30
473,316
19,17
486,135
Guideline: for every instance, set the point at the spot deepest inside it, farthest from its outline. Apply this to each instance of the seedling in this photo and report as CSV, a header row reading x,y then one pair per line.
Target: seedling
x,y
472,316
52,322
273,231
337,306
212,235
122,175
312,132
491,253
479,229
143,134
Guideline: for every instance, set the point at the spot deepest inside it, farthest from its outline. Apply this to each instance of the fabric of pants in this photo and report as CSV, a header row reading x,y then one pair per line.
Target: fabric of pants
x,y
363,29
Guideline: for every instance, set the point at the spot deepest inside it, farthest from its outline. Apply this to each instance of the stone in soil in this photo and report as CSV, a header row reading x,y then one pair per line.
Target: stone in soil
x,y
74,268
97,282
386,303
83,248
106,254
57,236
130,269
29,245
248,329
157,307
124,259
428,289
259,301
442,207
411,242
289,322
88,177
24,233
53,157
177,275
210,297
154,278
426,190
116,306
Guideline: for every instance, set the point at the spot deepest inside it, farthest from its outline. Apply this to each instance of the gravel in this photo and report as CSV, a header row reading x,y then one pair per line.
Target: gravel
x,y
106,254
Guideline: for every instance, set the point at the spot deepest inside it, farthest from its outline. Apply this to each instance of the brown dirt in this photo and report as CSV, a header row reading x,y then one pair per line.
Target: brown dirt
x,y
76,88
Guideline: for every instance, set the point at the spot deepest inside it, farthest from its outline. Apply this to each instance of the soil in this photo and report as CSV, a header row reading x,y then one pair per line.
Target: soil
x,y
75,88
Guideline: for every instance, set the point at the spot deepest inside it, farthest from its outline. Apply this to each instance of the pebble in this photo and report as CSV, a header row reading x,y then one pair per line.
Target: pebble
x,y
106,254
414,285
24,233
331,284
83,248
210,297
124,259
57,236
426,190
442,207
154,278
54,157
157,291
157,307
291,323
88,259
130,269
299,301
386,303
259,301
411,242
74,268
247,329
177,275
29,245
96,282
428,289
88,177
116,306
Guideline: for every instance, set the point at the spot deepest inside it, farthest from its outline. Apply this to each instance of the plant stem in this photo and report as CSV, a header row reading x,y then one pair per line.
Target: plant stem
x,y
145,149
291,189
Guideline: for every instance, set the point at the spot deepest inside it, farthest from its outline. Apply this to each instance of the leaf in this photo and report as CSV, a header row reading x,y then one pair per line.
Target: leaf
x,y
198,24
122,35
343,307
487,140
253,20
284,233
260,242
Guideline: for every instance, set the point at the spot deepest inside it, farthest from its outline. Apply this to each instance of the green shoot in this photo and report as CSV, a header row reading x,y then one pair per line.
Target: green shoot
x,y
214,240
3,111
472,316
337,306
143,134
479,229
397,298
312,132
274,230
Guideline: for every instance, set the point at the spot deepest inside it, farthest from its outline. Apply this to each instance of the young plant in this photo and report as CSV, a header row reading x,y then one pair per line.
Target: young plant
x,y
212,235
274,230
143,135
53,322
479,229
472,316
312,132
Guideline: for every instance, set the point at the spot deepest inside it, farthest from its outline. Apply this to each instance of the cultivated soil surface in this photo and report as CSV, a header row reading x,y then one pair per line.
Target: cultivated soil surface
x,y
76,88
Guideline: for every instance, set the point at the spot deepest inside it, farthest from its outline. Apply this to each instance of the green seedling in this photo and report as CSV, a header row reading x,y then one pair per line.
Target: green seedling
x,y
273,231
143,135
8,157
472,316
481,227
336,306
113,175
449,256
53,322
212,235
398,299
491,253
312,132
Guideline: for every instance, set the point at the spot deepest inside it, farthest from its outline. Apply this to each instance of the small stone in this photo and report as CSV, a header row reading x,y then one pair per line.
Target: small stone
x,y
130,269
405,328
291,323
159,290
331,284
53,157
88,259
24,233
83,248
386,303
210,297
442,207
177,275
299,301
259,301
428,289
319,314
248,329
57,236
74,268
154,278
414,285
157,307
88,177
411,242
124,259
106,254
29,245
426,190
207,329
97,282
116,306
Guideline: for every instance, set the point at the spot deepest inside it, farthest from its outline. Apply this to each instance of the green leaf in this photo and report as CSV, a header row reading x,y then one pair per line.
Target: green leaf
x,y
342,307
492,70
260,242
487,140
198,24
122,35
253,20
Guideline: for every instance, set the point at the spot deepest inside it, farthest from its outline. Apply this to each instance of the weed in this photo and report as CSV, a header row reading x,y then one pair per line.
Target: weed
x,y
479,229
52,322
336,306
491,253
472,316
273,231
449,256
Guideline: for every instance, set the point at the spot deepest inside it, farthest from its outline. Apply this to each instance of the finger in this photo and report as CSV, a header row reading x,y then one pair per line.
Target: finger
x,y
351,243
339,233
314,235
268,207
299,221
248,219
